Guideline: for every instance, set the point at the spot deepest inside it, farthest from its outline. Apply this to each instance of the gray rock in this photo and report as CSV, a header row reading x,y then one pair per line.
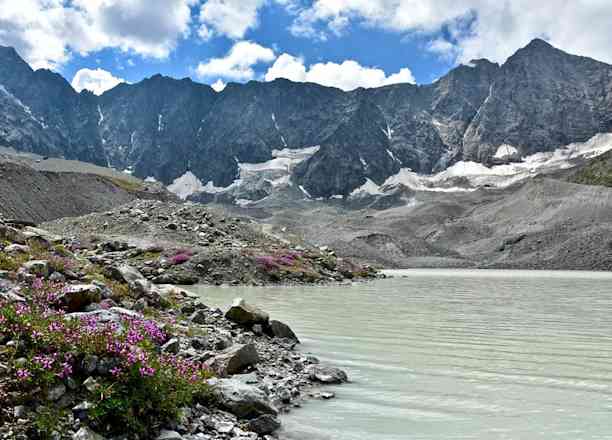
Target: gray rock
x,y
173,346
86,434
245,401
264,425
199,317
15,249
245,314
281,330
37,267
19,411
77,297
89,364
91,384
328,375
56,392
234,360
169,435
200,343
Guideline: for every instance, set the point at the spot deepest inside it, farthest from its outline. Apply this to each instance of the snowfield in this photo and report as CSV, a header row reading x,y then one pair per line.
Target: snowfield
x,y
462,176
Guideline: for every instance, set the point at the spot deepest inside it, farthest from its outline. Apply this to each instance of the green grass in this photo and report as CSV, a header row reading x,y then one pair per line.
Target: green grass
x,y
127,185
597,172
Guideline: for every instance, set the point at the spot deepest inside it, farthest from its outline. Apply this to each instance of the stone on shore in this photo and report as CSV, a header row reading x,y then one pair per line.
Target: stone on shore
x,y
281,330
242,400
234,360
264,425
246,314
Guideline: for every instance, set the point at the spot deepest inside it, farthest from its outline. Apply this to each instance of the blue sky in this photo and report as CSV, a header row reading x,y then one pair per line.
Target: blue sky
x,y
374,47
343,43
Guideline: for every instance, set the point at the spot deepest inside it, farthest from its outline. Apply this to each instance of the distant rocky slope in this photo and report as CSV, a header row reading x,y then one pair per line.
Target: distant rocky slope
x,y
540,99
538,223
27,194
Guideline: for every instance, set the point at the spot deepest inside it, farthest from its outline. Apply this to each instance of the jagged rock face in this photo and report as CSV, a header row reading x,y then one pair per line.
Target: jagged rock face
x,y
153,126
58,121
542,98
539,99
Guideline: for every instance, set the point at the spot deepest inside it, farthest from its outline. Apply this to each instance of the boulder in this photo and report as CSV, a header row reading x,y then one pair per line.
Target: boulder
x,y
15,249
245,401
233,360
128,274
264,425
246,314
281,330
173,346
37,267
327,375
11,234
76,297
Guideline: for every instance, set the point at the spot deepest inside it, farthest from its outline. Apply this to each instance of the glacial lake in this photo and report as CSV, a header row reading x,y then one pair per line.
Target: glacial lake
x,y
453,354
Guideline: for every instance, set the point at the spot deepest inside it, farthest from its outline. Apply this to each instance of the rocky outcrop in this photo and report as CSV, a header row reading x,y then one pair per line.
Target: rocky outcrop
x,y
539,99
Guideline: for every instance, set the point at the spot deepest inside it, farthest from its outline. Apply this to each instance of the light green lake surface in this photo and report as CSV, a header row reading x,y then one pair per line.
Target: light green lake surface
x,y
453,354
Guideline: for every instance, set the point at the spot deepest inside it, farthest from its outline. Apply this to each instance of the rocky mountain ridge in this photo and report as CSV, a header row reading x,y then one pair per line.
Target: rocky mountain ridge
x,y
539,99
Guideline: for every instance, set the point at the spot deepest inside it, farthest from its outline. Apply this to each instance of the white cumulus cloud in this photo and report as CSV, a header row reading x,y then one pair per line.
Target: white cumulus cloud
x,y
47,32
97,81
232,18
238,63
348,75
478,28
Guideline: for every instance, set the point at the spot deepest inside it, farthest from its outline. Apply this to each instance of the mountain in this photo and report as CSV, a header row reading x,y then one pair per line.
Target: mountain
x,y
539,99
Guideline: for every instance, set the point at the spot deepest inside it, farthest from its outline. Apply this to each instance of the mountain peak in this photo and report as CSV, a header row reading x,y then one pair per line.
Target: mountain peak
x,y
539,43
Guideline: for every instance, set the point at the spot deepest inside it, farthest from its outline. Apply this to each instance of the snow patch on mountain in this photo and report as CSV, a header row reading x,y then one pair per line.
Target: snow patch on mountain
x,y
186,185
368,188
506,151
477,175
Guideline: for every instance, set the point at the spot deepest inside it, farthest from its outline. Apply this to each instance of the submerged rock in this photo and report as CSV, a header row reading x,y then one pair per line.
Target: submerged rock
x,y
328,375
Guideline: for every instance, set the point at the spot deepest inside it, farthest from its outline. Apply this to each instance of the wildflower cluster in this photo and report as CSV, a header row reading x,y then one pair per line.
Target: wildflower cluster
x,y
277,262
144,386
180,257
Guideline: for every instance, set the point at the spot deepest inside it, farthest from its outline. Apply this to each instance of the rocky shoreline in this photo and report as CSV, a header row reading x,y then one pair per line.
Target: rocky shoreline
x,y
82,337
185,244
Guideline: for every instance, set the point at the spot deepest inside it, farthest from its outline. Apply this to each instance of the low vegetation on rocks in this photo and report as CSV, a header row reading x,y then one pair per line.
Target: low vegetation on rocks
x,y
93,349
187,244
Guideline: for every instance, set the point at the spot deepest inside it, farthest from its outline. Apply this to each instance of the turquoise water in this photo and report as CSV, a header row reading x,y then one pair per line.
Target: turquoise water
x,y
453,354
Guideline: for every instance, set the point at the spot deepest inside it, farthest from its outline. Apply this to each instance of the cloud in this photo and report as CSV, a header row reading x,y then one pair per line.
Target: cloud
x,y
231,18
47,32
97,81
218,85
347,76
238,63
473,28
